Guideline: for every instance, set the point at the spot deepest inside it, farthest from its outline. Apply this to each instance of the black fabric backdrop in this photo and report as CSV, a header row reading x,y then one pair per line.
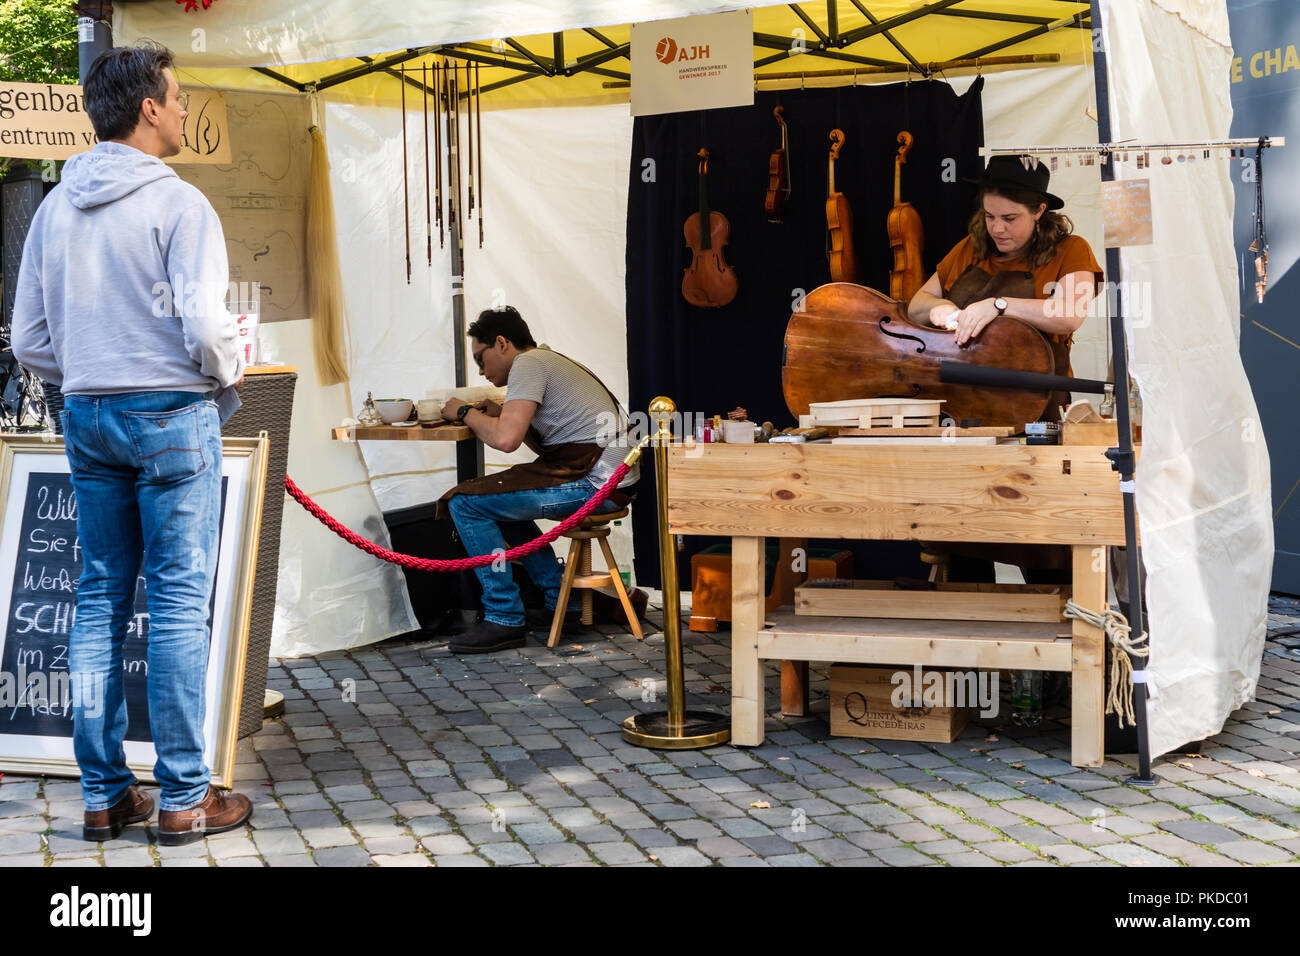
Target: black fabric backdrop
x,y
711,360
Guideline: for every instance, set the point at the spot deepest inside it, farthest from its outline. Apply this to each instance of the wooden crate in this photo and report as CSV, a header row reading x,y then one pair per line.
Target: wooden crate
x,y
861,706
948,602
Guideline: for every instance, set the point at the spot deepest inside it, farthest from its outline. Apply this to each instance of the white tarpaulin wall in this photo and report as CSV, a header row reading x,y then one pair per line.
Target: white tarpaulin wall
x,y
1203,480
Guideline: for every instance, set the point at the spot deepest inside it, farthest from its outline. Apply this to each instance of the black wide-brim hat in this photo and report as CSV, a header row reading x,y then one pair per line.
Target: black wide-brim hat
x,y
1019,173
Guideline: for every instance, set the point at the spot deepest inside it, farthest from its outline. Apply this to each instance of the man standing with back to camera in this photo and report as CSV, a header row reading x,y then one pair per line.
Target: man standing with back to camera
x,y
121,302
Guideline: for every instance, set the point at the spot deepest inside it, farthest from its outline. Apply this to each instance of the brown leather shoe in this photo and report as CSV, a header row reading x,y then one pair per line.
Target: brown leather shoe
x,y
216,813
135,805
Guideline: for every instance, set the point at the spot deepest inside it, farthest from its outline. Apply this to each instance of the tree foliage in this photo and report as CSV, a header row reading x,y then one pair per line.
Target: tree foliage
x,y
38,44
38,41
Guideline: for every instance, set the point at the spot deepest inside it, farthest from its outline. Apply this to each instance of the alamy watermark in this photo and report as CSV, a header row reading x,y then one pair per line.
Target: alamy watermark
x,y
917,688
180,296
53,693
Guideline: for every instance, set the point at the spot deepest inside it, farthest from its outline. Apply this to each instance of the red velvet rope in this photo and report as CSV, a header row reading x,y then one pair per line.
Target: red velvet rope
x,y
480,561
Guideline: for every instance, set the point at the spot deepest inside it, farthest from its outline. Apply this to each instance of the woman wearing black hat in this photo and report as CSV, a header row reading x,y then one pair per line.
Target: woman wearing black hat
x,y
1020,259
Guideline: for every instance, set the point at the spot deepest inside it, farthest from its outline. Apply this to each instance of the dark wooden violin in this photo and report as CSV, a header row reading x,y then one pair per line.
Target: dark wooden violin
x,y
708,282
839,221
778,167
906,235
853,342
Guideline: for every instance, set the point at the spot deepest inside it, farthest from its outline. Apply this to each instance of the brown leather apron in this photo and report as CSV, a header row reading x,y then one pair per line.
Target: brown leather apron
x,y
554,465
975,284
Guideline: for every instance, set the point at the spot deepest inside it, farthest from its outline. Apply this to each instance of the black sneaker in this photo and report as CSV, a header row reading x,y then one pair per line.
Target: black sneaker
x,y
486,637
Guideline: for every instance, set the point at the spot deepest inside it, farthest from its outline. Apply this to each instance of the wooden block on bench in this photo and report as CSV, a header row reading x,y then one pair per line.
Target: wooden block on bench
x,y
948,602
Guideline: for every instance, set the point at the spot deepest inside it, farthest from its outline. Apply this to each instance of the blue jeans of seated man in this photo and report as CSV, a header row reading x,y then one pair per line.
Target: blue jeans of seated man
x,y
146,469
488,522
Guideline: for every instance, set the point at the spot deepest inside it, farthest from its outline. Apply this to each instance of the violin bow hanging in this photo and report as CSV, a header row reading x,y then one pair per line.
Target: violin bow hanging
x,y
451,142
406,202
469,136
437,149
428,198
478,122
455,149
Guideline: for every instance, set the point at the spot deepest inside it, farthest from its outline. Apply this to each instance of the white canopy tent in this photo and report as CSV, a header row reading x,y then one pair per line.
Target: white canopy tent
x,y
555,226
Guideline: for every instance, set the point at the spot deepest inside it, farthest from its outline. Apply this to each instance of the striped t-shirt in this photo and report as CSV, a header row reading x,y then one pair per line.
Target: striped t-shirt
x,y
572,406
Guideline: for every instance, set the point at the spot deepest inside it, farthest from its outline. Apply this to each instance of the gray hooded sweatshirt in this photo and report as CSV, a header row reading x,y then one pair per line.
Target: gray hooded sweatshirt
x,y
123,283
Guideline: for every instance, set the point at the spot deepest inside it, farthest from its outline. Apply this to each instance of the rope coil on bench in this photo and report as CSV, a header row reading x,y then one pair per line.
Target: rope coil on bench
x,y
1119,699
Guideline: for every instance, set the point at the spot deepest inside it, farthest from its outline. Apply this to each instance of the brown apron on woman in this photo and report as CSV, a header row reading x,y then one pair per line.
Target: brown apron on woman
x,y
973,285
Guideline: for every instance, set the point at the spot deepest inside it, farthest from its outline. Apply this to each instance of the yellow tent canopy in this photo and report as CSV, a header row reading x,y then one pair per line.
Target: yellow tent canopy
x,y
279,44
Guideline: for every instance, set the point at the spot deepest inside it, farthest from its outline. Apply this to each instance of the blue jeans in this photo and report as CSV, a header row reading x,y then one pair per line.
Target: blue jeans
x,y
146,469
488,522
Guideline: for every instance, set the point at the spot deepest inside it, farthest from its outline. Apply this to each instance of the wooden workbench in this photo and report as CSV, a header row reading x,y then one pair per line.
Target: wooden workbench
x,y
469,450
1042,494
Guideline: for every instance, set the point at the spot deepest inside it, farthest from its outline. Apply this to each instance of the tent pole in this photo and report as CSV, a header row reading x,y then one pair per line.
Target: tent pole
x,y
1122,458
94,33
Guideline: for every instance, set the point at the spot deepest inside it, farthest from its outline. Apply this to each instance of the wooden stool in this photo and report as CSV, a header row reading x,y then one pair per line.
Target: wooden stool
x,y
578,574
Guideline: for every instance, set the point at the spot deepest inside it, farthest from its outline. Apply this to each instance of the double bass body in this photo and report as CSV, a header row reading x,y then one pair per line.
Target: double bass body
x,y
849,341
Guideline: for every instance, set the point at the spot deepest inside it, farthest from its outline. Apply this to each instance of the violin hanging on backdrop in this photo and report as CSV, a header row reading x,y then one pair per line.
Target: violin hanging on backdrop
x,y
853,342
708,282
839,221
778,167
906,235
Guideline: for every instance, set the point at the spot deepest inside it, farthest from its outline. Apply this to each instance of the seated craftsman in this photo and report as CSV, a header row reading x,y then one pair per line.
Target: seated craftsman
x,y
564,413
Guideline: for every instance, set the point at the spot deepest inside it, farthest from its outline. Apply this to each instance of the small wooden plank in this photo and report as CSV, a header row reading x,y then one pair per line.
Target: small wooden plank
x,y
923,431
1094,433
984,440
945,604
1023,645
419,432
867,422
269,369
1088,661
747,600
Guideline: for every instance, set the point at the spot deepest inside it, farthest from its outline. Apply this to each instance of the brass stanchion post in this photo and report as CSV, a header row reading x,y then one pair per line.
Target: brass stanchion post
x,y
678,728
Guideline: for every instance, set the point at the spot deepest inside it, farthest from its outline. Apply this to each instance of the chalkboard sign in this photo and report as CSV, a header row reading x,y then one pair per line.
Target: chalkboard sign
x,y
40,563
42,608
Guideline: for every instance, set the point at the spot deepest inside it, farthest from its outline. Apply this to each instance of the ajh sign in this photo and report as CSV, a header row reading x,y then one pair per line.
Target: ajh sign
x,y
693,63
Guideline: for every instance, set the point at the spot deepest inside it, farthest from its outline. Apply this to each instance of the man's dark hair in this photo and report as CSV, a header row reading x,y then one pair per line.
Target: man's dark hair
x,y
119,81
505,321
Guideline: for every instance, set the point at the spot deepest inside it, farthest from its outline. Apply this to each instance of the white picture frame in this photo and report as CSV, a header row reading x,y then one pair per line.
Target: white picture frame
x,y
23,458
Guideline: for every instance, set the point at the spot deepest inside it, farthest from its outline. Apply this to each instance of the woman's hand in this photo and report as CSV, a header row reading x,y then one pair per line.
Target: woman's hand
x,y
972,319
941,314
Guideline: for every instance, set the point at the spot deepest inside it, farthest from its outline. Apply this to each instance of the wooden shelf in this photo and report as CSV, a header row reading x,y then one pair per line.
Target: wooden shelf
x,y
408,433
989,644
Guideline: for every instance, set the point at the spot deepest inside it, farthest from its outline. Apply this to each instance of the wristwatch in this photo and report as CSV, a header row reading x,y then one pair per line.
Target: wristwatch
x,y
462,412
1001,305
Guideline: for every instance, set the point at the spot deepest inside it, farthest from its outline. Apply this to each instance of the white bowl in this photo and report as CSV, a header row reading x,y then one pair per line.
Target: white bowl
x,y
393,410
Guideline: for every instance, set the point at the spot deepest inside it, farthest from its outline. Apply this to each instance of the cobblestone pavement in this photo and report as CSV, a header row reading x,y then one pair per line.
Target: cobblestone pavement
x,y
515,759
